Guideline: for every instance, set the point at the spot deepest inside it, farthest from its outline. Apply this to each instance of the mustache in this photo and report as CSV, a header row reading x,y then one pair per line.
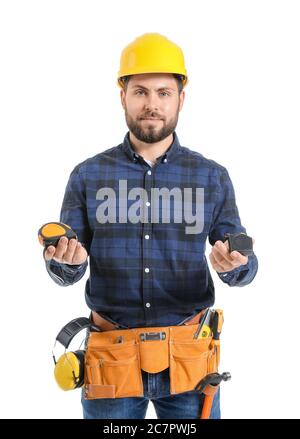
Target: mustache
x,y
153,115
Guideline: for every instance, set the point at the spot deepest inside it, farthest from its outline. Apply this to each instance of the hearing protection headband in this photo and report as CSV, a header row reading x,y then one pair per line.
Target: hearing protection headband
x,y
68,332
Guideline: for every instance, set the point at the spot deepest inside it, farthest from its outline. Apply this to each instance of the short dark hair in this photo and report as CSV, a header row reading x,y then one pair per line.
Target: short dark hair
x,y
179,79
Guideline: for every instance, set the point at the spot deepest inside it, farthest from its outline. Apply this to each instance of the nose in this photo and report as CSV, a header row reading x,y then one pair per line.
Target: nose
x,y
151,102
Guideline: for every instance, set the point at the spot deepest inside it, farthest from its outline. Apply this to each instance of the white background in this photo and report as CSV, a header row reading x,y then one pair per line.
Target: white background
x,y
59,104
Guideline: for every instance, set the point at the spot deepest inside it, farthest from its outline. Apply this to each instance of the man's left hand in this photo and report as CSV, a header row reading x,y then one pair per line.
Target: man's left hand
x,y
221,260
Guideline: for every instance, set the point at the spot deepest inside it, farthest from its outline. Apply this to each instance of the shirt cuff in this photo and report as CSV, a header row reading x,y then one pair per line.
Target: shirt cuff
x,y
242,275
230,277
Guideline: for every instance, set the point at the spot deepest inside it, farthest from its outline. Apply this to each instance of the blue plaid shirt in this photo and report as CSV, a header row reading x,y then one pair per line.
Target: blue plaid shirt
x,y
149,273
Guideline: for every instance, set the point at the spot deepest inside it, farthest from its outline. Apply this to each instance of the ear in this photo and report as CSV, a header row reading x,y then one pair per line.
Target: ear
x,y
122,96
181,99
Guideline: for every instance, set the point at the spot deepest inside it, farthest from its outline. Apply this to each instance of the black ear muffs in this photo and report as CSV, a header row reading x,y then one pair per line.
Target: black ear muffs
x,y
69,368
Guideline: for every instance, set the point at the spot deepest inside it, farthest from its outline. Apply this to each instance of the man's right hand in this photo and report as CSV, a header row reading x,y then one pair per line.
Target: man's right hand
x,y
69,252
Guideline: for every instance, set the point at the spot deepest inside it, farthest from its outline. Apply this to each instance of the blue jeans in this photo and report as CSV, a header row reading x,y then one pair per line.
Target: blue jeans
x,y
187,405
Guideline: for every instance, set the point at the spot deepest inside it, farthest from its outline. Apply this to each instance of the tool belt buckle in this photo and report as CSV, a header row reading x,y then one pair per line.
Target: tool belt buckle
x,y
152,336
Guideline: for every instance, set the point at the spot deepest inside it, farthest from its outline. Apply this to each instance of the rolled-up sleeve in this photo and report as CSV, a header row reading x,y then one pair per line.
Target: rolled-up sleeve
x,y
74,214
226,219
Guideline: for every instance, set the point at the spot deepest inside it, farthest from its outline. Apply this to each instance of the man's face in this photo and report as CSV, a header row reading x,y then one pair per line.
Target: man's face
x,y
154,96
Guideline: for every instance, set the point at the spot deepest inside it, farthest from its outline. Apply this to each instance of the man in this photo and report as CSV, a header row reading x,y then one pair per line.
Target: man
x,y
147,262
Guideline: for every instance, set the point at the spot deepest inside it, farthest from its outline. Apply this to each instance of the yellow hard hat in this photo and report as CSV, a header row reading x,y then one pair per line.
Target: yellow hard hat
x,y
152,53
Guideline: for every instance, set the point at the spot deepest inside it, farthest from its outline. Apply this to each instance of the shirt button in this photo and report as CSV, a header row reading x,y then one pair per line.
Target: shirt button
x,y
148,305
147,270
149,172
165,160
148,203
147,236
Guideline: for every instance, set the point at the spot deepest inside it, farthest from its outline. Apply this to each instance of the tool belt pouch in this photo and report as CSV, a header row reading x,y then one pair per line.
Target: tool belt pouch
x,y
190,359
112,370
114,360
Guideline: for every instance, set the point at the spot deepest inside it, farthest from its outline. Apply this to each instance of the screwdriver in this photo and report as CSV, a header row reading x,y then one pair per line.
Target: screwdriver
x,y
217,322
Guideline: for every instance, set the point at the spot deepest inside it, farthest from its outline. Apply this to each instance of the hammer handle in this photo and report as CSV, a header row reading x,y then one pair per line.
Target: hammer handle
x,y
207,405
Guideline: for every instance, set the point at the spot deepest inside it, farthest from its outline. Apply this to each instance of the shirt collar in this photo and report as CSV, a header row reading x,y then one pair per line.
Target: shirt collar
x,y
164,158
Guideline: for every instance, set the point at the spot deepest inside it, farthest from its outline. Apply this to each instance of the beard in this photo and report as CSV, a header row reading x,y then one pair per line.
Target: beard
x,y
150,133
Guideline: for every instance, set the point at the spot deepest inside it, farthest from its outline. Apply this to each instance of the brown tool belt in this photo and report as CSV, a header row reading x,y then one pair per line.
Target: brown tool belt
x,y
114,359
